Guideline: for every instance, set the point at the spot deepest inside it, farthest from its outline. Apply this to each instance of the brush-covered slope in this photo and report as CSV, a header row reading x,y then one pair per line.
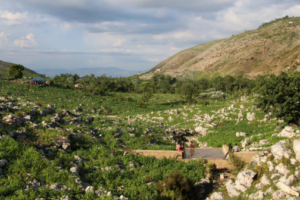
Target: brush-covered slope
x,y
273,47
5,65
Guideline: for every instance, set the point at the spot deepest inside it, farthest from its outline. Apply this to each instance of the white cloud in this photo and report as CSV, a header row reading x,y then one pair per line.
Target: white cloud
x,y
118,43
27,41
15,16
3,37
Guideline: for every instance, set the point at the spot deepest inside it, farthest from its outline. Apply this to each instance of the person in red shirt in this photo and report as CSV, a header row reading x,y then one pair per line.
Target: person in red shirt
x,y
180,148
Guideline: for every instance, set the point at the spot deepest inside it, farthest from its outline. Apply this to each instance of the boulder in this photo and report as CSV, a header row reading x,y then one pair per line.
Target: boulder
x,y
282,169
245,179
278,195
288,131
283,187
270,165
232,191
259,195
264,180
200,130
279,150
287,180
251,116
217,196
296,147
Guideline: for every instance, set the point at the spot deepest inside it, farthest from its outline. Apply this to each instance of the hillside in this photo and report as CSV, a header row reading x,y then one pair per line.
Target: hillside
x,y
5,65
272,48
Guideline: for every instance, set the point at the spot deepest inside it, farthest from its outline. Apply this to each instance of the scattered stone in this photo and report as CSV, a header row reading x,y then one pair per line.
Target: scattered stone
x,y
288,131
287,189
251,116
89,189
75,170
282,169
241,134
279,150
264,180
296,148
232,191
259,195
217,196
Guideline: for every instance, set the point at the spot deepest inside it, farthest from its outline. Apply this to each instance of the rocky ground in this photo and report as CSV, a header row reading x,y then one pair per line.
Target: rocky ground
x,y
273,174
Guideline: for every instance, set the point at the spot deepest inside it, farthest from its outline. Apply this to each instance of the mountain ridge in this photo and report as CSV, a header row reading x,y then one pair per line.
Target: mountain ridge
x,y
271,48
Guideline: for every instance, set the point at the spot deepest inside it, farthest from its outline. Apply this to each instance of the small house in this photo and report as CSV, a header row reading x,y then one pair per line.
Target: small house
x,y
158,70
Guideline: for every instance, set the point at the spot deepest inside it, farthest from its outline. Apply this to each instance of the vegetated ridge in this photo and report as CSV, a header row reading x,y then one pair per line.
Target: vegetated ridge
x,y
5,65
272,48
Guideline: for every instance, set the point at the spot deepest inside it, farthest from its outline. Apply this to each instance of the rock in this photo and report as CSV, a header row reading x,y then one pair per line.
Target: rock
x,y
123,198
286,189
78,160
66,197
263,142
75,170
3,162
296,148
33,184
58,187
217,196
271,166
245,178
200,130
279,150
241,134
259,195
66,145
89,189
240,116
293,161
278,195
274,176
251,116
232,191
287,181
264,180
282,169
288,131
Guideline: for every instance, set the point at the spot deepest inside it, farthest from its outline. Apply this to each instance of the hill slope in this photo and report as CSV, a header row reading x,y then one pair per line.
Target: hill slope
x,y
273,47
5,65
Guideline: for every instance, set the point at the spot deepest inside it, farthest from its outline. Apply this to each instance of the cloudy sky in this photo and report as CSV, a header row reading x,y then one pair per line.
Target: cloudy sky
x,y
128,34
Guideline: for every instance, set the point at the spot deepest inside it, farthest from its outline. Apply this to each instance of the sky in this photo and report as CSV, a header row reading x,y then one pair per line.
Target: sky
x,y
133,35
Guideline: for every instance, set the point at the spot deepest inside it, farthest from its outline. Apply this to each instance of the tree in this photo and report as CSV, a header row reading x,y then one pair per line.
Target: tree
x,y
281,95
147,90
15,71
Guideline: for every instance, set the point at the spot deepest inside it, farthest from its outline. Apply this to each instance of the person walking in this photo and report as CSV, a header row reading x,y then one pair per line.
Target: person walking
x,y
229,149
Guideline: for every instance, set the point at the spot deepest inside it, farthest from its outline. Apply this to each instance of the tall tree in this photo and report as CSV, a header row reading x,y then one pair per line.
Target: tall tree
x,y
15,71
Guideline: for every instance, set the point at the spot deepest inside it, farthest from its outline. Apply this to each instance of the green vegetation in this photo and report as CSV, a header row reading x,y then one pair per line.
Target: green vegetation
x,y
15,71
280,95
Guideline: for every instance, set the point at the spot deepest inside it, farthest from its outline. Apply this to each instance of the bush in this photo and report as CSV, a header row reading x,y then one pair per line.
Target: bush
x,y
178,187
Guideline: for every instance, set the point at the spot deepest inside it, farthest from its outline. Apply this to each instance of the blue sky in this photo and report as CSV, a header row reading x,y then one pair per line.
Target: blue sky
x,y
128,34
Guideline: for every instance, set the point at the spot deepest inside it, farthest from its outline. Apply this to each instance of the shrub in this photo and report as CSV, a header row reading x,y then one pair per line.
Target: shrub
x,y
236,161
178,187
